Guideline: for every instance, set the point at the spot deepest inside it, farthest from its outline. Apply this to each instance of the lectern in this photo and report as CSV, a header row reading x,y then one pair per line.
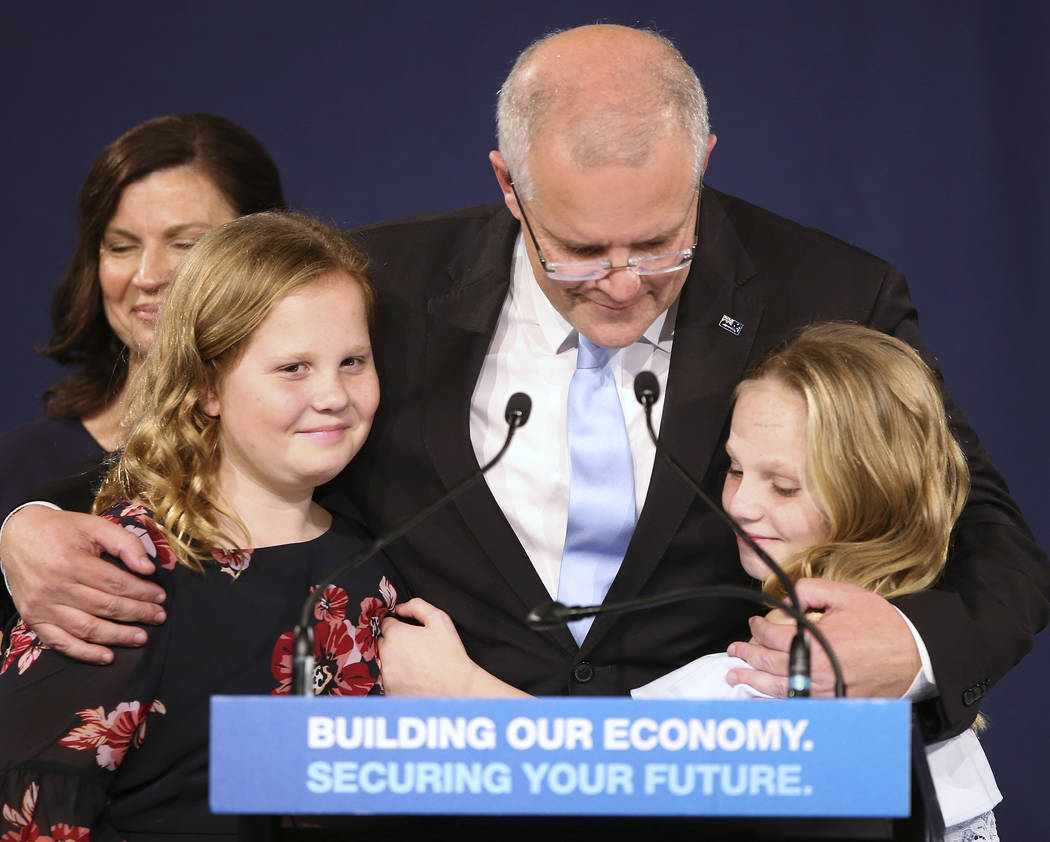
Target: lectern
x,y
572,768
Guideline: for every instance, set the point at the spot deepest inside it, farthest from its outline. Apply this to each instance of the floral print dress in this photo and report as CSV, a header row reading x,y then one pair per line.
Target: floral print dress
x,y
92,752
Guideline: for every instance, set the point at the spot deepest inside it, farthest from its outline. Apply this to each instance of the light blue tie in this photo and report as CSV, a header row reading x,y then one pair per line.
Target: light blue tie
x,y
601,491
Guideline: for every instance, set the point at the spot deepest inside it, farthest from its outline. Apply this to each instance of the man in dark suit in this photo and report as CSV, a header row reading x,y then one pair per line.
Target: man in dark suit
x,y
601,156
607,234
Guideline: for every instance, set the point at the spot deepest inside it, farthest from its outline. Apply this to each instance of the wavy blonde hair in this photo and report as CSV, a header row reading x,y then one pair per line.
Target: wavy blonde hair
x,y
222,291
881,462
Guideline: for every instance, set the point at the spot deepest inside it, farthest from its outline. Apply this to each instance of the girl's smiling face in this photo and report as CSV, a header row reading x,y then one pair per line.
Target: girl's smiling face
x,y
299,401
765,489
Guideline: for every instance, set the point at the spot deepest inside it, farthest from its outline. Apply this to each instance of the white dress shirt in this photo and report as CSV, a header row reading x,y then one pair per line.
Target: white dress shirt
x,y
534,351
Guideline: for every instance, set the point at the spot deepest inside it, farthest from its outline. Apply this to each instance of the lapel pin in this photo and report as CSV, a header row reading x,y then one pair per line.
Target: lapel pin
x,y
728,323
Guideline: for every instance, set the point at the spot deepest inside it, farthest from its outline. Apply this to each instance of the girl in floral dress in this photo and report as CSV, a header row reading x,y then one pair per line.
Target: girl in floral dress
x,y
259,387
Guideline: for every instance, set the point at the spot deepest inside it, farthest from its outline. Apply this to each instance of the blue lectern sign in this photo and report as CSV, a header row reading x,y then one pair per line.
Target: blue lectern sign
x,y
568,756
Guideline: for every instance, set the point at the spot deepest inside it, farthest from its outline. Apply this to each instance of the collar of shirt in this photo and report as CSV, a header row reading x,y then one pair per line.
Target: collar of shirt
x,y
533,350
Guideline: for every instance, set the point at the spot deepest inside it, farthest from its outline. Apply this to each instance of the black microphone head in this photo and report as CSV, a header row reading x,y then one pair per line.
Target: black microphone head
x,y
548,615
518,408
646,388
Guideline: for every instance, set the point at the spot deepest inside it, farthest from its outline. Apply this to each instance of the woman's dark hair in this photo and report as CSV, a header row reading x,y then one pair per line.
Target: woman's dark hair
x,y
243,172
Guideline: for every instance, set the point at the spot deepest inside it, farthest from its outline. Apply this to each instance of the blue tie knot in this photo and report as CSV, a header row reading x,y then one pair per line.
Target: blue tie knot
x,y
591,355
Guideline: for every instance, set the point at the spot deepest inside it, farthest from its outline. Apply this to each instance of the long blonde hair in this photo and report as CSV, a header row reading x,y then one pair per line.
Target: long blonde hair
x,y
222,291
881,462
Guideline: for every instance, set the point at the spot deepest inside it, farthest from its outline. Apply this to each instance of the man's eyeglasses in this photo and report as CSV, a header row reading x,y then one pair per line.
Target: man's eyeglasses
x,y
594,270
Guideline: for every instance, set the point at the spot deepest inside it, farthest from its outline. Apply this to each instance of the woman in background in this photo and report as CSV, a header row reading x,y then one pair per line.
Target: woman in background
x,y
150,195
260,386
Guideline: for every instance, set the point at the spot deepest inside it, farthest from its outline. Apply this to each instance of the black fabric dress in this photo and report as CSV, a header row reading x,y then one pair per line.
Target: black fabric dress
x,y
33,455
121,751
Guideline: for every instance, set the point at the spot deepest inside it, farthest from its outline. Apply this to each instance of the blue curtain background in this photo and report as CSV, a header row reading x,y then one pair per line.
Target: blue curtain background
x,y
916,130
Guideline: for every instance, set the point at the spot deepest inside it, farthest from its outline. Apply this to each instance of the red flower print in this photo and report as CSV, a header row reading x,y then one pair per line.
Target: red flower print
x,y
338,669
23,645
28,833
281,665
139,521
62,832
234,562
25,825
387,591
344,653
26,828
111,734
162,551
332,604
132,510
372,613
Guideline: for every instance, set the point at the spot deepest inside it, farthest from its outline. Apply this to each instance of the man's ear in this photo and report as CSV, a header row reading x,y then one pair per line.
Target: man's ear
x,y
499,167
711,141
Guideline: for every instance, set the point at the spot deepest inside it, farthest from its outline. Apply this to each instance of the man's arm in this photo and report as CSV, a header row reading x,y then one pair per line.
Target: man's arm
x,y
66,593
862,628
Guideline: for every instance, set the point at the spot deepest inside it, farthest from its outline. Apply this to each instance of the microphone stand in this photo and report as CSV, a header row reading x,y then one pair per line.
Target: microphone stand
x,y
517,413
552,615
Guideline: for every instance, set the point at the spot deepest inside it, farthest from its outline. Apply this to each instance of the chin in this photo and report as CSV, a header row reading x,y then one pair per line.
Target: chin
x,y
320,473
756,568
612,336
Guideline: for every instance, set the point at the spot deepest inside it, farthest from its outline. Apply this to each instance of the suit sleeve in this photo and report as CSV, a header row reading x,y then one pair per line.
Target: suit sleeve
x,y
982,616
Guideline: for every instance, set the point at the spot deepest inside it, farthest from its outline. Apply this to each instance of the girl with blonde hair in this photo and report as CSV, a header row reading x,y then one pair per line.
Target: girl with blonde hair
x,y
842,466
259,386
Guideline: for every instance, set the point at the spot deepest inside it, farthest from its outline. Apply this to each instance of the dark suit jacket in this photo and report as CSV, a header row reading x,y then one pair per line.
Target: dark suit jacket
x,y
442,280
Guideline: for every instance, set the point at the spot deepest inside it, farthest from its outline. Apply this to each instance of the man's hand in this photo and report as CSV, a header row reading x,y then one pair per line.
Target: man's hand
x,y
63,589
429,659
872,641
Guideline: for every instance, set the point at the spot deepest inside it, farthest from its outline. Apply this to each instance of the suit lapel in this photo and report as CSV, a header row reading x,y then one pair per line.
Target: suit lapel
x,y
460,325
707,361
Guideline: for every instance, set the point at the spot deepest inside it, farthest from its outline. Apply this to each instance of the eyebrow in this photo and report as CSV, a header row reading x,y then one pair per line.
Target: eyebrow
x,y
655,240
173,230
777,466
303,353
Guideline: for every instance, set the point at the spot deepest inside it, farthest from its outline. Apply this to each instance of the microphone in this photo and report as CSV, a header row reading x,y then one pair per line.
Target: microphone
x,y
552,615
647,392
519,407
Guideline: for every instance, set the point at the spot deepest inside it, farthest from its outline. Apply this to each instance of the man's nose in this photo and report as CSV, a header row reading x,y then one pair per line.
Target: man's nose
x,y
621,283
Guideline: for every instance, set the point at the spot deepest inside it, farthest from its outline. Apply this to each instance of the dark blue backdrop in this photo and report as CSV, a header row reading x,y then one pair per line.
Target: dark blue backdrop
x,y
916,130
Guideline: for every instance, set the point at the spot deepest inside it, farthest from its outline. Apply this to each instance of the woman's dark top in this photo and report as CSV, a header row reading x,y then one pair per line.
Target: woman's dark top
x,y
33,455
121,751
37,453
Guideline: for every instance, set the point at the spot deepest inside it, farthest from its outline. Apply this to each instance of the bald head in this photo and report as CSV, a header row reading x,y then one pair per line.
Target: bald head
x,y
599,95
